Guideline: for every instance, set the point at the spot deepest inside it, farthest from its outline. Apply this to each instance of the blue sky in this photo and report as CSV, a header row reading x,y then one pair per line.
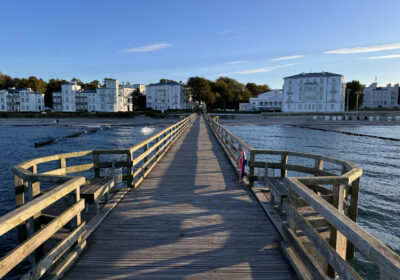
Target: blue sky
x,y
251,41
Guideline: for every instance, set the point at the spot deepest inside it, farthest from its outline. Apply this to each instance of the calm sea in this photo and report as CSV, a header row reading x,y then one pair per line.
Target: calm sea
x,y
379,200
17,146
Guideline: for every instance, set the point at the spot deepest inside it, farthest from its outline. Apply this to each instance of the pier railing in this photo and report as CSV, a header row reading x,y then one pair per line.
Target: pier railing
x,y
51,226
313,202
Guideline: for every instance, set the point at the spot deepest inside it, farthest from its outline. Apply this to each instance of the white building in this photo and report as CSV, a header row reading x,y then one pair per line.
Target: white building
x,y
167,95
21,100
64,100
313,92
140,87
111,98
267,101
381,97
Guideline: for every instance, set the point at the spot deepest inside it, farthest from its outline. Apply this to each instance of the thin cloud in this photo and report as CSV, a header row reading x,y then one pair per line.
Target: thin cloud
x,y
382,57
149,48
260,70
287,57
226,31
236,62
376,48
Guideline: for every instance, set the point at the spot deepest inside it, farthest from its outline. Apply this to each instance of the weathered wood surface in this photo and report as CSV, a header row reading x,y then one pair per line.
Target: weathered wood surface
x,y
189,219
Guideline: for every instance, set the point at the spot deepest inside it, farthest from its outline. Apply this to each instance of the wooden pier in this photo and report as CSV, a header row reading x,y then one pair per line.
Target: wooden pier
x,y
189,218
171,207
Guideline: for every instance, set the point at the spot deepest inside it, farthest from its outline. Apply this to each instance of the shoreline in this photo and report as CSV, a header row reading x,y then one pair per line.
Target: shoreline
x,y
76,121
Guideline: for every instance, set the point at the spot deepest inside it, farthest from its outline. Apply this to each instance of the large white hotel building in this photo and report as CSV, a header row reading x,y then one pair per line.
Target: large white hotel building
x,y
314,92
113,97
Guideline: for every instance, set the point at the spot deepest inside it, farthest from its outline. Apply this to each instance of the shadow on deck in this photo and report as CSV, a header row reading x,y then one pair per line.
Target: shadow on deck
x,y
189,219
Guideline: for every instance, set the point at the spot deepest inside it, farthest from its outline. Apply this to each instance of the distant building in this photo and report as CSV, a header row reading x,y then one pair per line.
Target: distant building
x,y
381,97
167,95
140,87
21,100
111,98
313,92
267,101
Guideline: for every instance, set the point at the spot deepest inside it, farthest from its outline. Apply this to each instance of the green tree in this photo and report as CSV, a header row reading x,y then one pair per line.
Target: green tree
x,y
225,92
257,89
6,81
200,89
90,86
352,88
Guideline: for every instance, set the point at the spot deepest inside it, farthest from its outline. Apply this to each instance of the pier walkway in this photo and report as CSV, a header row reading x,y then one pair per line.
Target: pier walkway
x,y
189,218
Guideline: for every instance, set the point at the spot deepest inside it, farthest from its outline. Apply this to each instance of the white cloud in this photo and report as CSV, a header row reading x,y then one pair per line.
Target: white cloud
x,y
237,62
287,57
259,70
376,48
149,48
382,57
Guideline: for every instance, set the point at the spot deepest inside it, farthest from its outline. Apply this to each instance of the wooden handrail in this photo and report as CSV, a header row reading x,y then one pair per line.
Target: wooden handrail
x,y
387,260
27,179
303,192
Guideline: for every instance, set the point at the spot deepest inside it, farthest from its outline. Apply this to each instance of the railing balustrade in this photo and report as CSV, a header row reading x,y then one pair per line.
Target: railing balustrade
x,y
317,218
50,227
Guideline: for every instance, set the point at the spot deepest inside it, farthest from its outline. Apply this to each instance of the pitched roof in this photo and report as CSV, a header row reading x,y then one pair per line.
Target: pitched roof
x,y
317,74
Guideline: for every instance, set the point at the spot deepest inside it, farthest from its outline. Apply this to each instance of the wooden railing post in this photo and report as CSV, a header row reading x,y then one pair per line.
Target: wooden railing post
x,y
62,163
19,201
145,148
284,161
129,169
337,240
96,160
319,164
353,210
251,177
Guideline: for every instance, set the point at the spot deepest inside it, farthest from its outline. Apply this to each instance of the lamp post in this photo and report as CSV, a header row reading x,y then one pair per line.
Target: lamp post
x,y
348,93
358,93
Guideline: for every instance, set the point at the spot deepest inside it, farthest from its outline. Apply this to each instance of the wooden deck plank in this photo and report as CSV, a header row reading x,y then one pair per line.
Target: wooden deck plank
x,y
190,219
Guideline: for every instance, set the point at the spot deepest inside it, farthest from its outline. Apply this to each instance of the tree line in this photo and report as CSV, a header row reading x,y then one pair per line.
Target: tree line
x,y
42,86
224,93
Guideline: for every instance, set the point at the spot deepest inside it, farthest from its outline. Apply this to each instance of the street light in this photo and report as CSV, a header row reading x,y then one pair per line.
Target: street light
x,y
358,93
348,93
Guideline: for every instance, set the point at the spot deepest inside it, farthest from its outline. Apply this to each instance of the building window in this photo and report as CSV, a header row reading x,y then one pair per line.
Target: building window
x,y
332,106
320,106
23,99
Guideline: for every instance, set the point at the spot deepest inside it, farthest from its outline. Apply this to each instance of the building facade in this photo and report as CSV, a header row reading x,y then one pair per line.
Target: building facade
x,y
267,101
381,97
113,97
167,95
314,92
21,100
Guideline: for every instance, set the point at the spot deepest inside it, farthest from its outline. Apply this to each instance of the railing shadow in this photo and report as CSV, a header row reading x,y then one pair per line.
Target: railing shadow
x,y
190,218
